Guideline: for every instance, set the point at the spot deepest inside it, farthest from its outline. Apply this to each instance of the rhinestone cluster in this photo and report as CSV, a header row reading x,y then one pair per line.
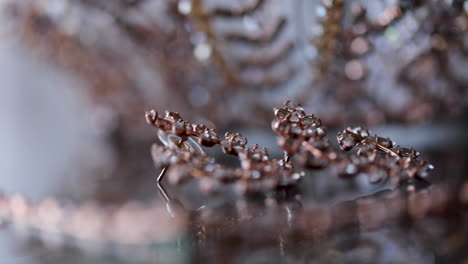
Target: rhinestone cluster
x,y
257,172
301,136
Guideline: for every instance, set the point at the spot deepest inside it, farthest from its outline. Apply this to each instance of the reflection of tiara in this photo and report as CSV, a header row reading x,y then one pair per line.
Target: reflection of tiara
x,y
300,135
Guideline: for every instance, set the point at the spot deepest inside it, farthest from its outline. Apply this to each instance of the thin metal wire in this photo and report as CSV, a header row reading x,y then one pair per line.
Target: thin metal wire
x,y
163,193
161,174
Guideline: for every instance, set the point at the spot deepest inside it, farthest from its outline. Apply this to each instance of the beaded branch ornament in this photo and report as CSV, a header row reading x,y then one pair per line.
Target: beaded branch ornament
x,y
301,136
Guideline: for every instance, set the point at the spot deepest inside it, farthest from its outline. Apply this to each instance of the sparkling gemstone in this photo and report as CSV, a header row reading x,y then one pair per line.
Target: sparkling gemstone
x,y
295,117
281,113
360,131
256,156
355,130
297,176
364,132
289,105
280,163
173,159
178,127
351,169
256,175
295,130
199,128
310,120
275,125
173,116
321,132
347,142
208,139
365,148
309,132
386,142
406,152
239,139
188,128
319,144
282,128
423,172
151,116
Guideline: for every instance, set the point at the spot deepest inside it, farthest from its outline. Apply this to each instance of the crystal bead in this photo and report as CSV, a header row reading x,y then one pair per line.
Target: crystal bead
x,y
365,148
347,142
295,117
310,120
178,127
386,142
359,131
364,132
351,169
281,113
309,132
199,128
208,138
321,132
173,116
289,105
240,140
256,156
406,152
319,144
423,172
256,175
295,130
173,159
188,128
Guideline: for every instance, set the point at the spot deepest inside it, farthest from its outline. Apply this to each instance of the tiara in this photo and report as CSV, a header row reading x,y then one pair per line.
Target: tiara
x,y
180,154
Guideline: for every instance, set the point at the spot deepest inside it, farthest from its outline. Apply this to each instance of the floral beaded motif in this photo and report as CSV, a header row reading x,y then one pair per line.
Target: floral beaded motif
x,y
301,136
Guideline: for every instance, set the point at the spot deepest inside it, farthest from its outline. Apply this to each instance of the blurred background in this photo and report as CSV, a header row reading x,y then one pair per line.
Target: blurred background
x,y
78,75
